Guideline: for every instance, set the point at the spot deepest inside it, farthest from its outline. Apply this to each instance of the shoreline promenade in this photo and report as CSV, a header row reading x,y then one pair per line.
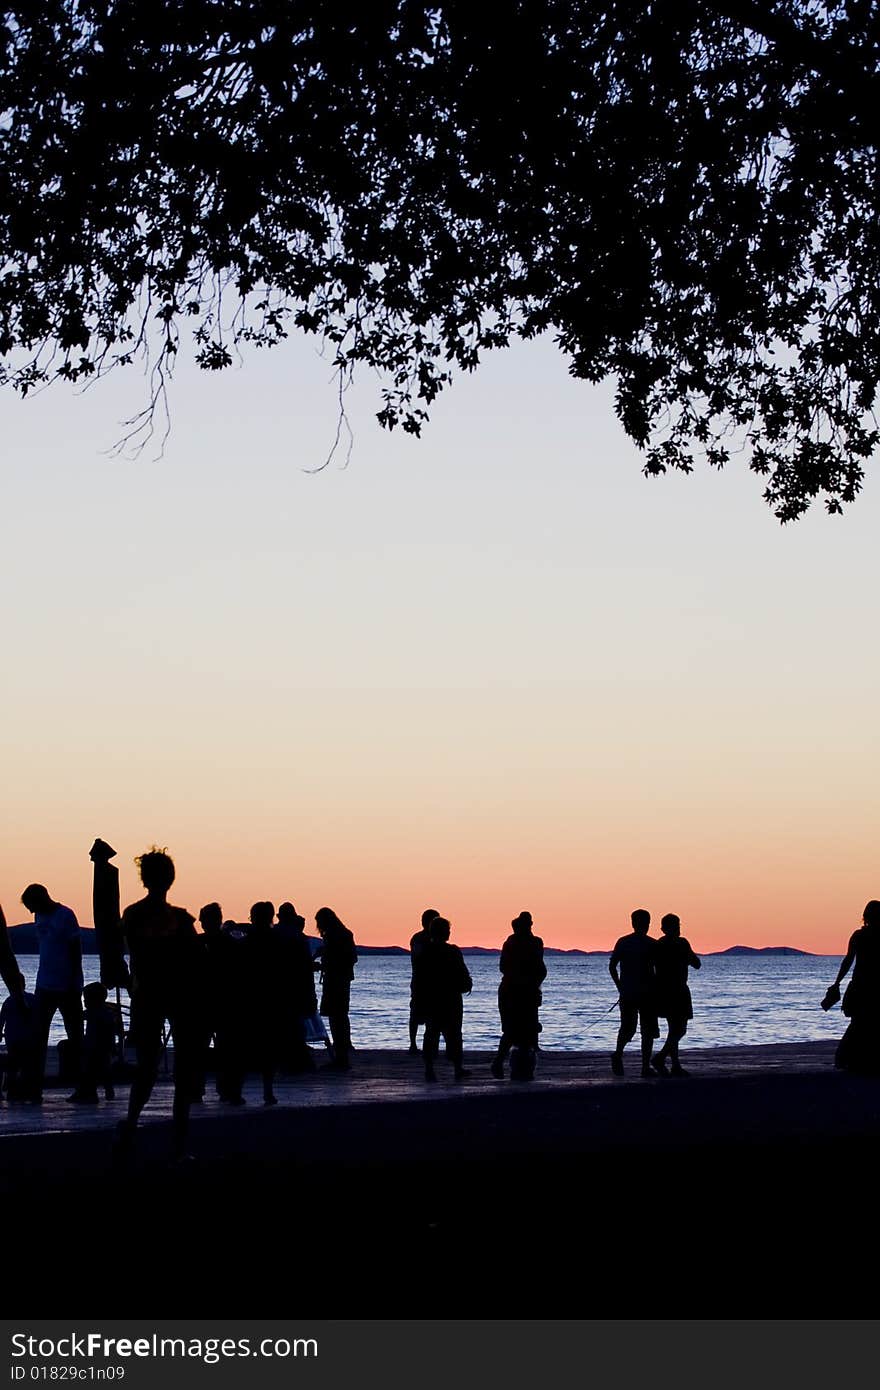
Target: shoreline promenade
x,y
381,1196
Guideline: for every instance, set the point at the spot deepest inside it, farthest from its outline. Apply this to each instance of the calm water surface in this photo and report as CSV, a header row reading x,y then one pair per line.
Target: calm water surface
x,y
737,1000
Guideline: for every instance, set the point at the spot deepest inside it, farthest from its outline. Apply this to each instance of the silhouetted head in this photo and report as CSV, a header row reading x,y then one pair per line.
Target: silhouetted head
x,y
101,852
290,919
326,920
262,915
439,929
870,916
641,921
211,918
522,925
36,898
428,916
94,995
670,925
156,868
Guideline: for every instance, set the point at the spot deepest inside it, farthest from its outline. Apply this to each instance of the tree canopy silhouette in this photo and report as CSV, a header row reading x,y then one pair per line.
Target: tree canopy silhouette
x,y
683,193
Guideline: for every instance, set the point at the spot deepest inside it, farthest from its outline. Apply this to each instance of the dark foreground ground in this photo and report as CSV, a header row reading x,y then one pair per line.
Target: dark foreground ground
x,y
748,1190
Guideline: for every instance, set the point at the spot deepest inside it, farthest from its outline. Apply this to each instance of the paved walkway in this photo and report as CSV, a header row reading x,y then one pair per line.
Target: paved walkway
x,y
389,1077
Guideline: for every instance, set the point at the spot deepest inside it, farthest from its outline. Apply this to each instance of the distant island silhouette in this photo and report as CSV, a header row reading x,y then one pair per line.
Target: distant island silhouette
x,y
23,939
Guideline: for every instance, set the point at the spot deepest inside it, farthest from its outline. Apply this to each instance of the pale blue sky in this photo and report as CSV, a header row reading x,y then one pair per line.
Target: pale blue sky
x,y
501,629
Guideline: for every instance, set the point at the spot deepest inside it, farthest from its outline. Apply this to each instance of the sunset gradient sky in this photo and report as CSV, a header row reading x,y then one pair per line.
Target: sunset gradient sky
x,y
491,670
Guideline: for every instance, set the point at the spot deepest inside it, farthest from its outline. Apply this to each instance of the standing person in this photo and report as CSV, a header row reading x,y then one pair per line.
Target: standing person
x,y
519,997
338,956
103,1026
106,918
301,1003
226,968
633,972
167,983
672,957
445,978
59,977
265,984
416,1005
859,1048
20,1026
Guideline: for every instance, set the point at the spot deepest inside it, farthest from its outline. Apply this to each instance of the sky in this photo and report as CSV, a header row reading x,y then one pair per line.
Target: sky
x,y
490,670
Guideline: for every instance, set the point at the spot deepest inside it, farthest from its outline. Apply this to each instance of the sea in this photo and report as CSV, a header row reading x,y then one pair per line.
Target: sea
x,y
738,1000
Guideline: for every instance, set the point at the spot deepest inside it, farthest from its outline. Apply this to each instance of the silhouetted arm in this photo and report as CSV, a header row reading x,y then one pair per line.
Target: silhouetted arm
x,y
612,966
846,963
832,996
8,964
693,959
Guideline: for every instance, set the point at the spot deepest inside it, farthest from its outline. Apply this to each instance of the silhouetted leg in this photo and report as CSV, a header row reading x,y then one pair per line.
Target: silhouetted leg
x,y
147,1020
430,1048
677,1030
187,1036
70,1004
340,1032
629,1017
504,1046
648,1028
46,1002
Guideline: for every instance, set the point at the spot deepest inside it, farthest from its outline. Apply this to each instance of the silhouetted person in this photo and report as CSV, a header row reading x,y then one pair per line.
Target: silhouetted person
x,y
445,978
20,1025
632,967
103,1026
265,999
167,981
416,1005
338,956
301,1002
672,958
59,977
859,1048
226,970
106,916
519,997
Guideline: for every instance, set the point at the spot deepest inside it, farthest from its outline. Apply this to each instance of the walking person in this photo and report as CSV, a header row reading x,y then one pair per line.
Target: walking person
x,y
519,998
167,969
445,979
337,955
416,1003
859,1049
632,968
672,959
59,976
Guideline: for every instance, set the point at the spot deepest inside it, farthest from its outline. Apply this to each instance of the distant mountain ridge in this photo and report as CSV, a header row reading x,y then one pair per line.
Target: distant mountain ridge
x,y
761,951
24,941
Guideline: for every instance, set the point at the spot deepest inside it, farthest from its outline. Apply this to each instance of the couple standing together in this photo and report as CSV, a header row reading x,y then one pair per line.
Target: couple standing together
x,y
651,979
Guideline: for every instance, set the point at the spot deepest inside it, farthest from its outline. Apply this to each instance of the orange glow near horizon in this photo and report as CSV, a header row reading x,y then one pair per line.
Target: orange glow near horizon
x,y
493,670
